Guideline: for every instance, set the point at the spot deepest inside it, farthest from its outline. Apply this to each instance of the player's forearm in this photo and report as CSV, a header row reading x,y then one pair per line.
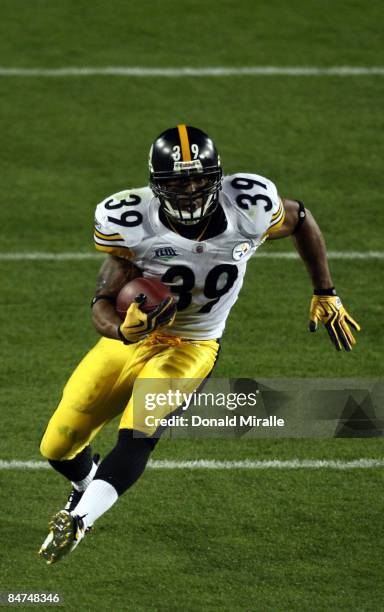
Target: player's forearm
x,y
105,319
310,245
113,275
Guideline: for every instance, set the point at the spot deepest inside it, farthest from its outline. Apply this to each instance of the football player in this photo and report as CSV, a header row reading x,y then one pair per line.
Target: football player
x,y
194,229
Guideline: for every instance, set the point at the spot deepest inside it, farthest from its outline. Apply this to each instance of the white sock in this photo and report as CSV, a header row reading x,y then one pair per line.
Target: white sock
x,y
81,485
97,499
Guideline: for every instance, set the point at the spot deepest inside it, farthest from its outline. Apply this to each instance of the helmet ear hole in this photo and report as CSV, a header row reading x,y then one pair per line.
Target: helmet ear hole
x,y
185,155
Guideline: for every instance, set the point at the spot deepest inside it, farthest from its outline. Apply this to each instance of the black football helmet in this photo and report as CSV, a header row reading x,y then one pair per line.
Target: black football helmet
x,y
185,174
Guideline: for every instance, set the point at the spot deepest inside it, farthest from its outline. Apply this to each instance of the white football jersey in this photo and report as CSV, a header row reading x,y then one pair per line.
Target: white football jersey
x,y
205,276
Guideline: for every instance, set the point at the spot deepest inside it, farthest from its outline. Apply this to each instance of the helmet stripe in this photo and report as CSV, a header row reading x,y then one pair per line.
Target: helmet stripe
x,y
184,141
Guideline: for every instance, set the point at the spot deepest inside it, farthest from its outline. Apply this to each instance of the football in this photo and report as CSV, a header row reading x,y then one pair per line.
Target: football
x,y
154,290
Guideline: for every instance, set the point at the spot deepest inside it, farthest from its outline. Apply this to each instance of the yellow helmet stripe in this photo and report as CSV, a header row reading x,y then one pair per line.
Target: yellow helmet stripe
x,y
184,141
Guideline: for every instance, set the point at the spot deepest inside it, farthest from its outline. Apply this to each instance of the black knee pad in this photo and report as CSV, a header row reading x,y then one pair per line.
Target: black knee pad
x,y
126,461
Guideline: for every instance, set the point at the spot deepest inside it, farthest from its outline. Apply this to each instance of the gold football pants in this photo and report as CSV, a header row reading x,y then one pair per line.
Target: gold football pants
x,y
104,384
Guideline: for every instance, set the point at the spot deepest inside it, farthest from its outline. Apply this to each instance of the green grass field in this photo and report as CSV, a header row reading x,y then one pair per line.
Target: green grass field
x,y
263,540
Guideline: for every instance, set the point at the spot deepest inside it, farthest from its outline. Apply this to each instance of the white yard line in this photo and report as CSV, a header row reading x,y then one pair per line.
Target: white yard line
x,y
69,256
189,71
247,464
331,255
43,256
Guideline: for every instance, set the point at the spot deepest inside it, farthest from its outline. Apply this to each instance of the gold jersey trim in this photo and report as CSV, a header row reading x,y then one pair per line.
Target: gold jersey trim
x,y
118,251
277,220
278,212
108,237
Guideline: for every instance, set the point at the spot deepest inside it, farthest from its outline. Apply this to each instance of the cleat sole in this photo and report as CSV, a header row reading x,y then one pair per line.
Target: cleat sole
x,y
60,540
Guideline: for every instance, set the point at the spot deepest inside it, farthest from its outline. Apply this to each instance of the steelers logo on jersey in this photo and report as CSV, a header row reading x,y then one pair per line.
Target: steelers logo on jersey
x,y
240,250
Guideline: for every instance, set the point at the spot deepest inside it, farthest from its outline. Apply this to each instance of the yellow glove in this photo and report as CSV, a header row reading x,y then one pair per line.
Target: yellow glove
x,y
329,310
138,324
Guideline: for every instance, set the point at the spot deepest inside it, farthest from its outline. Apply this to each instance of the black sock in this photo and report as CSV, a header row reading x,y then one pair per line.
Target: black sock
x,y
126,462
77,468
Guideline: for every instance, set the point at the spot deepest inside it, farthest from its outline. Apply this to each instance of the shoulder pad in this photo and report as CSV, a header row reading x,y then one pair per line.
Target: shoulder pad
x,y
120,220
256,201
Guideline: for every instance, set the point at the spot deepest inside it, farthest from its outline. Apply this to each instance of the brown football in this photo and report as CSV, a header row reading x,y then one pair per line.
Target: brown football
x,y
154,290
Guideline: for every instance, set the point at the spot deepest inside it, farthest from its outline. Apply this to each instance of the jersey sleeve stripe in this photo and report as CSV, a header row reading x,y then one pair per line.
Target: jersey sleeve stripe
x,y
278,219
108,236
109,244
184,141
119,251
111,238
277,214
275,225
